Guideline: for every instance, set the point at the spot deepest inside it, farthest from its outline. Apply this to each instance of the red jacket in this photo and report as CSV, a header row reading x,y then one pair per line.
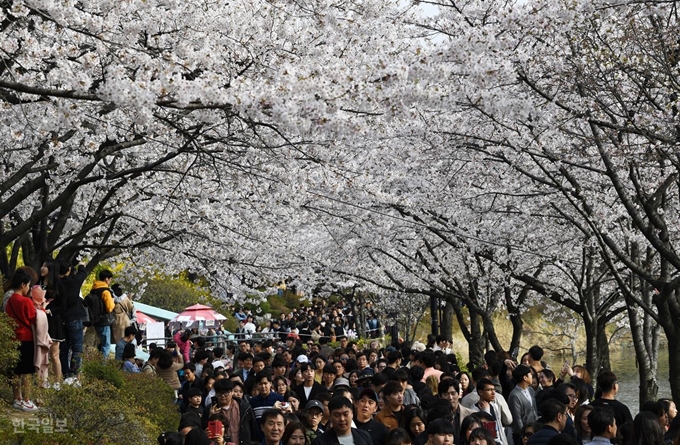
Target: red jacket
x,y
23,312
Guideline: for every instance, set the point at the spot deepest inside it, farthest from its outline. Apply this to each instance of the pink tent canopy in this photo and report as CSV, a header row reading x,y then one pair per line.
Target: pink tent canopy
x,y
198,312
142,318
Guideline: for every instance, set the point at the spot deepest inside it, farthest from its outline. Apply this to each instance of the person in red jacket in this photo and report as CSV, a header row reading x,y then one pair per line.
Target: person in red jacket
x,y
22,310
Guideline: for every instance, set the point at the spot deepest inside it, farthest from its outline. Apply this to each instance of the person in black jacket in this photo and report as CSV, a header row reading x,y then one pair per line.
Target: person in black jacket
x,y
554,420
366,405
226,402
341,418
71,349
309,389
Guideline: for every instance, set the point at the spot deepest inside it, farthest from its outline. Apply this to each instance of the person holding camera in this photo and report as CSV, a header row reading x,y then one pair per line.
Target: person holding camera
x,y
236,415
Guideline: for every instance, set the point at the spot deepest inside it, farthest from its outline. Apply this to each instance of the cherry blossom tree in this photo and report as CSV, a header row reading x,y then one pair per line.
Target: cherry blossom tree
x,y
582,99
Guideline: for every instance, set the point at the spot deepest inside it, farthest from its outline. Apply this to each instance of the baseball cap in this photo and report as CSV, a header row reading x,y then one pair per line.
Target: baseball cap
x,y
368,392
365,374
314,404
302,359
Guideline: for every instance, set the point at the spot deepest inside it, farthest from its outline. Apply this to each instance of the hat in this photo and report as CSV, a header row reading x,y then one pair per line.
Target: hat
x,y
365,374
368,392
302,359
418,346
391,349
341,381
314,404
291,336
194,392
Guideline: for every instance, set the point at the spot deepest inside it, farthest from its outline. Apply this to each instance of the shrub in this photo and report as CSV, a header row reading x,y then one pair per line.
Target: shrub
x,y
9,355
107,370
111,407
154,400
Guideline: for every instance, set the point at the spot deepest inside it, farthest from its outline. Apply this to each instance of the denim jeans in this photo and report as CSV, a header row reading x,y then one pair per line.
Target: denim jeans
x,y
104,339
73,345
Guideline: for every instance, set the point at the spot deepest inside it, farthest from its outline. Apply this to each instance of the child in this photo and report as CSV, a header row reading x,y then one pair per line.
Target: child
x,y
41,336
195,402
129,353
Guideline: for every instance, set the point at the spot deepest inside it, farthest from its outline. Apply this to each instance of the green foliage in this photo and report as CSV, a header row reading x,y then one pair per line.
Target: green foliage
x,y
9,355
175,294
462,363
106,370
154,400
111,407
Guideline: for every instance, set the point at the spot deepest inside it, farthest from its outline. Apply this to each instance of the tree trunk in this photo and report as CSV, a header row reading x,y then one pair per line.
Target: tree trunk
x,y
476,342
668,307
645,340
447,320
360,314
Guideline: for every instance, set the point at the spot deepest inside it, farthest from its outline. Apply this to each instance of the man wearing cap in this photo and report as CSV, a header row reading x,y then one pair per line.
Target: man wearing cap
x,y
341,431
365,406
309,389
313,414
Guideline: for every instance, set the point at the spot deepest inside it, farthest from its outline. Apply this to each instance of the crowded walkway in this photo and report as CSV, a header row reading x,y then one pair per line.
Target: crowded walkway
x,y
306,378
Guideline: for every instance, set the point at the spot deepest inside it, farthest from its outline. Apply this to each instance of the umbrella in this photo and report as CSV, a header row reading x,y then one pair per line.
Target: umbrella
x,y
142,318
198,312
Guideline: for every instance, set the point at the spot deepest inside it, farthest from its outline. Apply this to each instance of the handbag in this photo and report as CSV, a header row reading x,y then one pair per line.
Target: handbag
x,y
107,319
86,319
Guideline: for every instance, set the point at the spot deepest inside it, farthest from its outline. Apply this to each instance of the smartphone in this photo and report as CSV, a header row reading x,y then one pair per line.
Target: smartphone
x,y
491,427
213,400
285,405
214,428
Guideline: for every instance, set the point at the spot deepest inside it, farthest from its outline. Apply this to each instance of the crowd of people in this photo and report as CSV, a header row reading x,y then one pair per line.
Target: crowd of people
x,y
320,319
51,317
304,380
292,390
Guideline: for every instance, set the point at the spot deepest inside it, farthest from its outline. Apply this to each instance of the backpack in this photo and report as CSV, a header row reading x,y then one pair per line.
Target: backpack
x,y
98,316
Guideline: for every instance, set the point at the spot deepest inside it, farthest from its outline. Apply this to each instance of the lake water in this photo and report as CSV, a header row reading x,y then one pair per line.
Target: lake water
x,y
624,366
